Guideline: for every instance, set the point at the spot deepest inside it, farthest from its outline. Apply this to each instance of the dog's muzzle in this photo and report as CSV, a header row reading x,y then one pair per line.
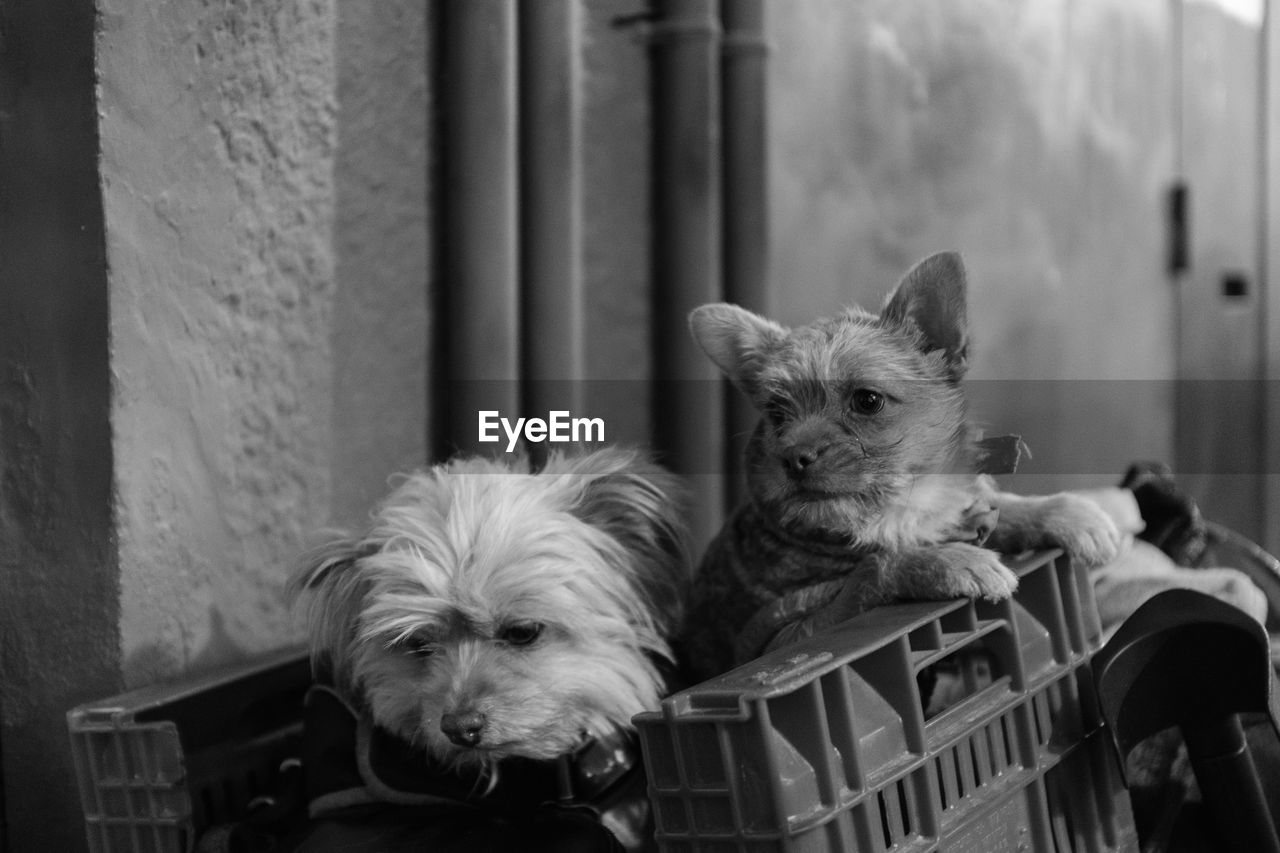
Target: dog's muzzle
x,y
465,729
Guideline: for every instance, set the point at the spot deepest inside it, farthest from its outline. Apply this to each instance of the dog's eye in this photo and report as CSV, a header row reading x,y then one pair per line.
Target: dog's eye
x,y
521,633
418,646
867,402
775,409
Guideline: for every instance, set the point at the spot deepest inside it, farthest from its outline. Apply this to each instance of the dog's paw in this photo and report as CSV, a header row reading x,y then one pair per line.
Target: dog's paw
x,y
953,570
1081,528
986,577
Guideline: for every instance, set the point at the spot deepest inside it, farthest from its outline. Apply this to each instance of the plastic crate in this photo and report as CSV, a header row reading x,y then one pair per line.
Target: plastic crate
x,y
824,745
158,765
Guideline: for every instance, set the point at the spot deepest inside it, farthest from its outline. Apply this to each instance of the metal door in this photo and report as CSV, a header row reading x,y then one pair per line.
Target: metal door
x,y
1216,253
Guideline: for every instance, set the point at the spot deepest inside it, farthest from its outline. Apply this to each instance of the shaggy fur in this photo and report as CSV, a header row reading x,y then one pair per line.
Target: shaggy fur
x,y
533,606
862,472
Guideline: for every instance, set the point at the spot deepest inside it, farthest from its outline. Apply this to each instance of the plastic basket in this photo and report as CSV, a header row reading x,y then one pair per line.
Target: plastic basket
x,y
159,765
824,745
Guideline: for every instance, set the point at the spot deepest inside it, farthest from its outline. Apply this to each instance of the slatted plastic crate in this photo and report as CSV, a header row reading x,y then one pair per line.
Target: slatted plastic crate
x,y
159,765
824,745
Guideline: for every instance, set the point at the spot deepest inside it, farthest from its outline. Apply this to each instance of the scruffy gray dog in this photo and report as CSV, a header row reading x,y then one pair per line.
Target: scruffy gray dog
x,y
862,475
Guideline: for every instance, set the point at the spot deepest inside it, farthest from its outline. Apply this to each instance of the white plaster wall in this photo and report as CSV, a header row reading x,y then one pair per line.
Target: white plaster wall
x,y
218,140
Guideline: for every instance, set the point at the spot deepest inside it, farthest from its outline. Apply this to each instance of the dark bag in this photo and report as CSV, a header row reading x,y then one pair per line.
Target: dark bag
x,y
358,788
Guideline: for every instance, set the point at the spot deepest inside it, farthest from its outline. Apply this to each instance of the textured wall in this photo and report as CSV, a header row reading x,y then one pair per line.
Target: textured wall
x,y
1038,139
218,139
265,177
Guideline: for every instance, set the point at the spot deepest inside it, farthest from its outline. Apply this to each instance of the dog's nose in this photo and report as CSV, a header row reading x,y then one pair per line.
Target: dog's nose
x,y
463,729
801,457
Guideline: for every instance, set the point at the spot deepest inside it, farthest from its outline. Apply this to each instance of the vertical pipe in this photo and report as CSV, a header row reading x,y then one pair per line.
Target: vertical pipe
x,y
688,406
551,205
480,241
746,228
744,53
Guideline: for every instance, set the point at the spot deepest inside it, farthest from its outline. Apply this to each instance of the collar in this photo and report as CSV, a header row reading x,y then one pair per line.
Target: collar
x,y
352,763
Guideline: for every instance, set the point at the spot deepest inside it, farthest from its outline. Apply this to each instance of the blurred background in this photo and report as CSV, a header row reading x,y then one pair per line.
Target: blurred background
x,y
257,257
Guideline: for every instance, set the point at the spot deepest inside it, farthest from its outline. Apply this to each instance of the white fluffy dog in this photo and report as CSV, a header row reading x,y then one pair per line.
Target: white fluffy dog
x,y
492,611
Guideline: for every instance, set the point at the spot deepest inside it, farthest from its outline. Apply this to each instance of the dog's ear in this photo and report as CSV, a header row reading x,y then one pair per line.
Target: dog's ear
x,y
326,577
641,506
932,297
737,340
